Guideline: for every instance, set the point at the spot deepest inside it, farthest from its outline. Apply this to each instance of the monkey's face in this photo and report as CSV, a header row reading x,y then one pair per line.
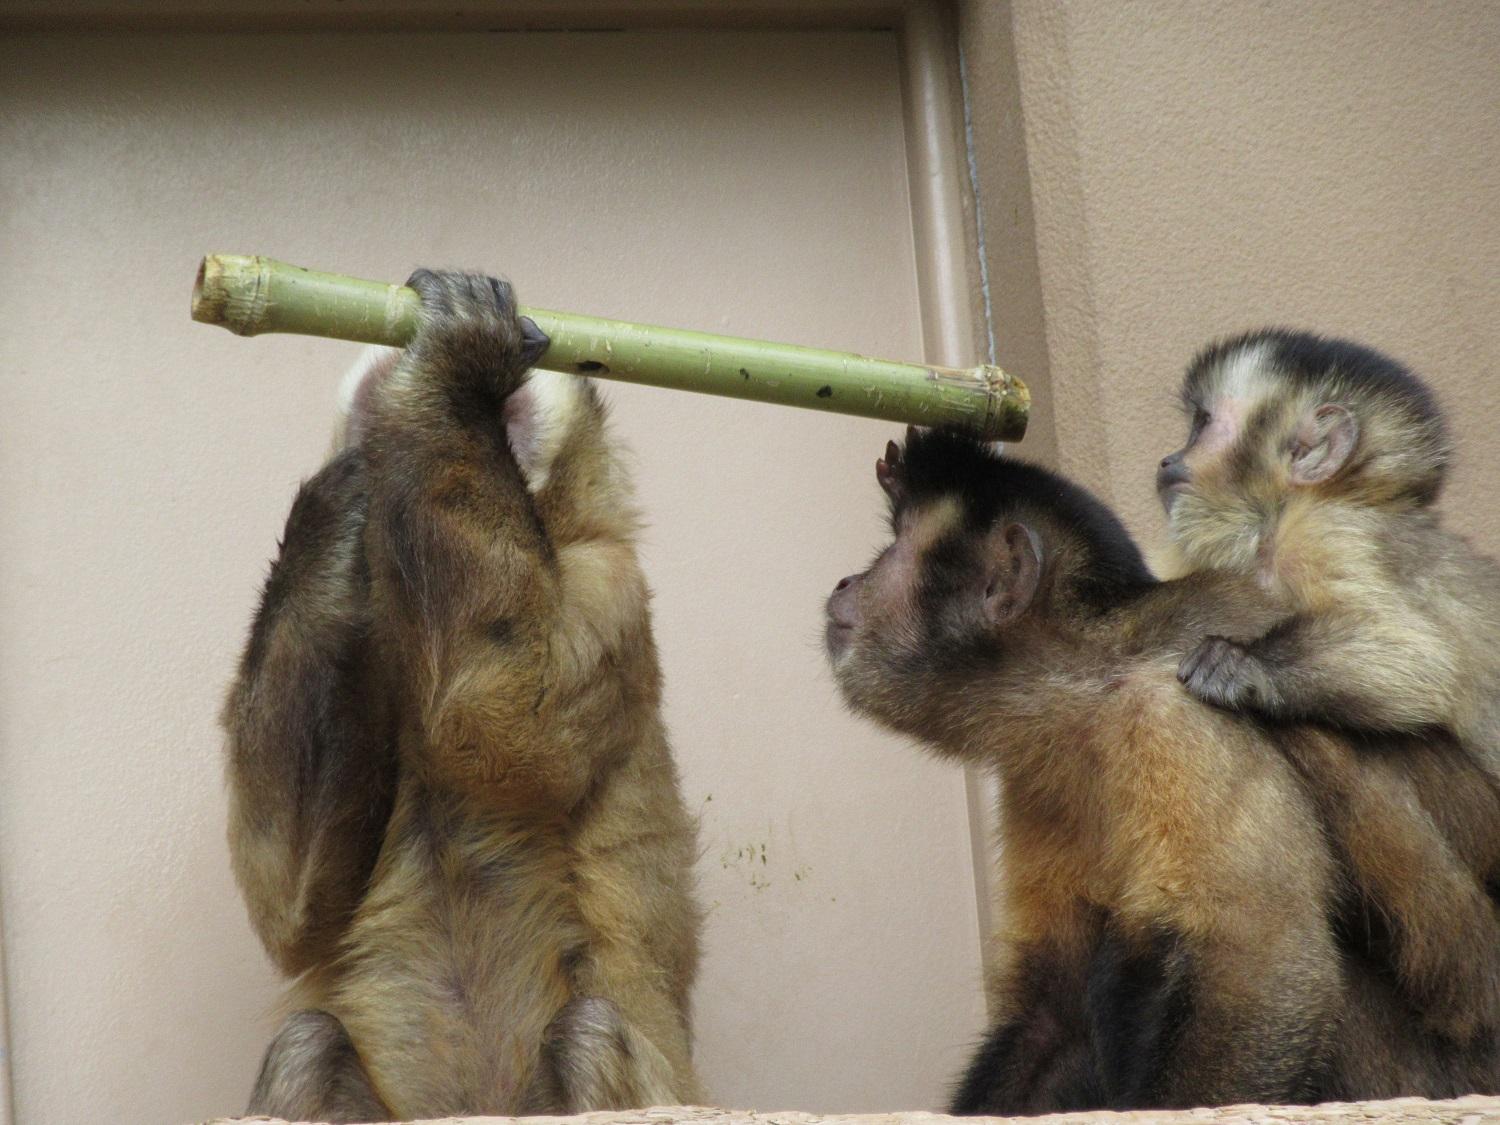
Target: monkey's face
x,y
1220,395
877,626
1215,429
1257,435
1277,413
909,633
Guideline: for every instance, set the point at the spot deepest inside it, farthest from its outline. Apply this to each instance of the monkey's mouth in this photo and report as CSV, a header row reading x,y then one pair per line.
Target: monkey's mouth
x,y
836,638
1168,493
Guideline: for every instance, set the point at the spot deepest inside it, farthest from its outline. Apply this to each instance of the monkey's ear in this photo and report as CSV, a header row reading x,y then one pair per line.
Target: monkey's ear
x,y
1325,439
891,473
1015,573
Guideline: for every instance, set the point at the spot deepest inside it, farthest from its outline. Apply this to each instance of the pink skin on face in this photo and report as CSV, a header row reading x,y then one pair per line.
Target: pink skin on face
x,y
888,582
1174,475
843,613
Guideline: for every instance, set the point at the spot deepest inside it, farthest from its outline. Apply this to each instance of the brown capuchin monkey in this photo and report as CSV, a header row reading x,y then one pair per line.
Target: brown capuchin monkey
x,y
1312,466
1176,930
454,814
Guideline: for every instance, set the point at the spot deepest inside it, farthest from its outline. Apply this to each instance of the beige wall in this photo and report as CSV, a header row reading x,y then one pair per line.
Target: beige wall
x,y
754,184
1198,168
1150,175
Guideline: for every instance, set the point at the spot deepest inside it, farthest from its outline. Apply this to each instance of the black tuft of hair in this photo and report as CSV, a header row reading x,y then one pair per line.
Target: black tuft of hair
x,y
992,487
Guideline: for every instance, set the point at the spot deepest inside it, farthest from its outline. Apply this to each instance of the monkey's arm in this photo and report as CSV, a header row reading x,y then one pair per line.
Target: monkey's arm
x,y
459,556
1377,671
311,771
1437,918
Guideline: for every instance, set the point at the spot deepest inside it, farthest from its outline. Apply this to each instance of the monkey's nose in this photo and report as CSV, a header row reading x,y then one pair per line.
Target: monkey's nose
x,y
843,603
1172,477
1172,471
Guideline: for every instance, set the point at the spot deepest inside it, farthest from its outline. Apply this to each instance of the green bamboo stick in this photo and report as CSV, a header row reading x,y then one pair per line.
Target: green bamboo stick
x,y
249,295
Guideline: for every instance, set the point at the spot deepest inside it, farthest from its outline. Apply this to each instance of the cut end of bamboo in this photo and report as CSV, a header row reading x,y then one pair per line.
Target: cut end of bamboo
x,y
230,291
1010,405
208,296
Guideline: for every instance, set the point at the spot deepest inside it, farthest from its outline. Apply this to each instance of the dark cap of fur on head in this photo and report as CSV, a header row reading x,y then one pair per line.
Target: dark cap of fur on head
x,y
1376,387
993,488
1309,360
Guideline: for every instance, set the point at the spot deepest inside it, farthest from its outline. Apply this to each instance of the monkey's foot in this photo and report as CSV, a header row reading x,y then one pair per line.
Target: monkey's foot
x,y
1226,674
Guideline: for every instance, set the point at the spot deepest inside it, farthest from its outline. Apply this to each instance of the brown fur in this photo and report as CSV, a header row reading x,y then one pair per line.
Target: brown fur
x,y
454,813
1390,624
1169,896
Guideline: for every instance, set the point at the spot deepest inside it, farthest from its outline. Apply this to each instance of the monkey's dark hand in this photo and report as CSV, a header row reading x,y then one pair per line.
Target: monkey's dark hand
x,y
1227,674
470,335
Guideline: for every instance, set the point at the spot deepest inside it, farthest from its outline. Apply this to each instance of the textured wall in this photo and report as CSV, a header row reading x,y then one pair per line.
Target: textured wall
x,y
743,183
1200,168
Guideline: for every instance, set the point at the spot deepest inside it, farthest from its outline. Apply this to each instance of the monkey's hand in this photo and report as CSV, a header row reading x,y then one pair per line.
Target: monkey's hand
x,y
470,336
1227,674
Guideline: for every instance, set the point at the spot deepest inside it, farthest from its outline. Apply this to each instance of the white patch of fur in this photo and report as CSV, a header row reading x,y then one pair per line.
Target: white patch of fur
x,y
374,364
1240,373
538,418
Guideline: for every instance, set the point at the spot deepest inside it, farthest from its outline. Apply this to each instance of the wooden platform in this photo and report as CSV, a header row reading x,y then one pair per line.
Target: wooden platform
x,y
1460,1111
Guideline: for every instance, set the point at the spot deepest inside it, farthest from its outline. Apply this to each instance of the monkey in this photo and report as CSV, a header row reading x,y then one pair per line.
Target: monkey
x,y
1313,466
1172,907
454,814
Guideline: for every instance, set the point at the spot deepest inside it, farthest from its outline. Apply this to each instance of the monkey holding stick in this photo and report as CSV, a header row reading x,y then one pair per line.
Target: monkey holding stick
x,y
1175,925
1312,466
454,814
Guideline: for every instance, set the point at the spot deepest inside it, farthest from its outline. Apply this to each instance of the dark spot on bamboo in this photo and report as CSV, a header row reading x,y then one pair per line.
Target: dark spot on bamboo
x,y
825,391
745,373
585,366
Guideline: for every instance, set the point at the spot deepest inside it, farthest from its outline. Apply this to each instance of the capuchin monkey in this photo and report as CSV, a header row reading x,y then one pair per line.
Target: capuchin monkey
x,y
1174,921
454,814
1312,466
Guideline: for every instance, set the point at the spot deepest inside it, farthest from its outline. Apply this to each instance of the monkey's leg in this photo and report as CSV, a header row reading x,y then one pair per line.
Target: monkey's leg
x,y
1441,923
1264,999
1037,1058
1234,968
311,772
592,1059
459,553
312,1072
1138,1000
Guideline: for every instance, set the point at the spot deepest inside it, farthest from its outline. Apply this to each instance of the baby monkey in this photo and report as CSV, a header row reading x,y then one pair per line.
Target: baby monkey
x,y
1312,465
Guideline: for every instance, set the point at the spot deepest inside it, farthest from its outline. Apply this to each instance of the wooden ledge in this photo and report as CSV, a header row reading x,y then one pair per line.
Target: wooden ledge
x,y
1459,1111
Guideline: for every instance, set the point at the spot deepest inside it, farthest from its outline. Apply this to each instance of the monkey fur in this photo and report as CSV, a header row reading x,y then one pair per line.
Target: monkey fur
x,y
1312,465
1176,927
454,814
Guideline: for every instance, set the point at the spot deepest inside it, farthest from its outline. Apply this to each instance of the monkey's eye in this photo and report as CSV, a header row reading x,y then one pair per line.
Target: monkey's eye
x,y
1201,419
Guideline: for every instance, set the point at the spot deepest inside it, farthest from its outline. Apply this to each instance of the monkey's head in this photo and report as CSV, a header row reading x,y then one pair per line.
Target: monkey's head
x,y
1275,413
990,558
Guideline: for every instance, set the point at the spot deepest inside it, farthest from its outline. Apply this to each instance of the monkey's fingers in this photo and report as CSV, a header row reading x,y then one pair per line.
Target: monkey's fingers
x,y
1216,673
471,330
